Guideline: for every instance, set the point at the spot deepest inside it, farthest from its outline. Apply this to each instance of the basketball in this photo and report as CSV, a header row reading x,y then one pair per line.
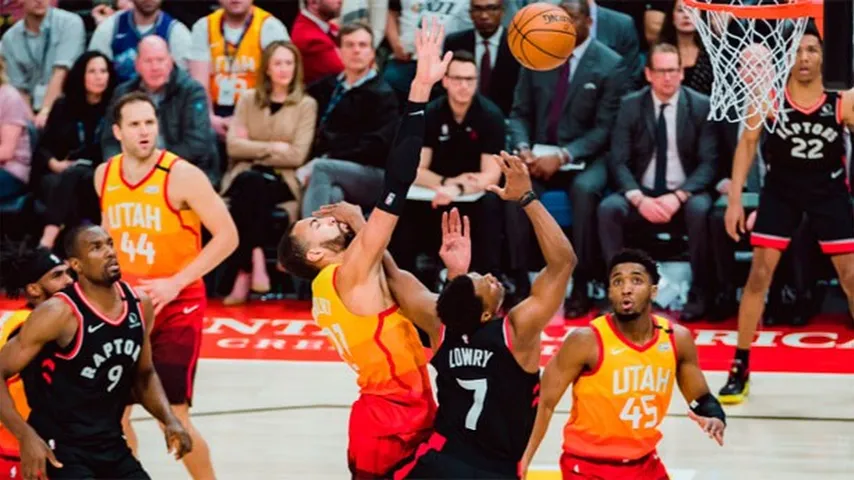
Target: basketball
x,y
541,36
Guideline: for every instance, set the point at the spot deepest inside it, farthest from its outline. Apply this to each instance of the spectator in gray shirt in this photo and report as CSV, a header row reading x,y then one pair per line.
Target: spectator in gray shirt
x,y
182,108
39,50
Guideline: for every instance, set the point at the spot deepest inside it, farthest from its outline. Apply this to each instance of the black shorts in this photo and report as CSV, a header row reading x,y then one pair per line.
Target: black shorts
x,y
439,458
111,461
824,198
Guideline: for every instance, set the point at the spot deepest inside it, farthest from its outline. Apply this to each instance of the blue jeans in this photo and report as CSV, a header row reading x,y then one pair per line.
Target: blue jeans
x,y
10,186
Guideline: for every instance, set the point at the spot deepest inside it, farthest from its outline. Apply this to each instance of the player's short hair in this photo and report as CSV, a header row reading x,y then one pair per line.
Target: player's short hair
x,y
464,57
127,99
16,257
662,47
812,29
291,254
583,6
459,307
71,242
630,255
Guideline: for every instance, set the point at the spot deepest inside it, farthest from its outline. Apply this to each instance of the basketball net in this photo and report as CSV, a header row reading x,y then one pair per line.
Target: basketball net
x,y
752,50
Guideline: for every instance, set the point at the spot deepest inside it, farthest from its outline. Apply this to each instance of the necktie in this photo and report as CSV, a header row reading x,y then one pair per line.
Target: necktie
x,y
661,153
561,88
485,68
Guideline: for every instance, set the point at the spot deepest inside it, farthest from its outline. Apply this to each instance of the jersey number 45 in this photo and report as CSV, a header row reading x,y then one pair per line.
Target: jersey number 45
x,y
636,410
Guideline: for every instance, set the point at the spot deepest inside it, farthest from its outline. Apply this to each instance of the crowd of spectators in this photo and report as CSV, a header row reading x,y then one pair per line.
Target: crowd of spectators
x,y
289,106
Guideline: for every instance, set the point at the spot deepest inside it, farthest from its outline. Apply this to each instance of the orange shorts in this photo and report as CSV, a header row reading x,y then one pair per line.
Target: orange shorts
x,y
645,468
384,433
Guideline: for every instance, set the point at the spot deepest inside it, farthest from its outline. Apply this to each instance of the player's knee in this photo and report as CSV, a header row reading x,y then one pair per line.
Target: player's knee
x,y
846,275
761,274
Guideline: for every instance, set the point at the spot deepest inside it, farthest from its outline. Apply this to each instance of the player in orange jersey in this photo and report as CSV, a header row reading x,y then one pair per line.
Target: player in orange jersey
x,y
37,274
352,302
623,367
154,206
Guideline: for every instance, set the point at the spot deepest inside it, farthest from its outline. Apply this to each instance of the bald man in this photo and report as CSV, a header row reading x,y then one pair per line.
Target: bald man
x,y
182,108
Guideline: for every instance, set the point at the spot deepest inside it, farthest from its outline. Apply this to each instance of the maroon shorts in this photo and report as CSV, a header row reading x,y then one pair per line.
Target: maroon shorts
x,y
645,468
380,441
176,340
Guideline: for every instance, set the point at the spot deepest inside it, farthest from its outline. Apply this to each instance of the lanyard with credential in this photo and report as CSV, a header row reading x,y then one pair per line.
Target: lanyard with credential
x,y
39,65
229,57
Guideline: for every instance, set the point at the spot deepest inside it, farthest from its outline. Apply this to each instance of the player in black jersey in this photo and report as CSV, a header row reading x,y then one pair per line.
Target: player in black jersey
x,y
487,367
806,175
82,354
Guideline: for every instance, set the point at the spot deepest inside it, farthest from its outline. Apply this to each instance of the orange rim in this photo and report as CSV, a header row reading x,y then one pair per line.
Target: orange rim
x,y
794,9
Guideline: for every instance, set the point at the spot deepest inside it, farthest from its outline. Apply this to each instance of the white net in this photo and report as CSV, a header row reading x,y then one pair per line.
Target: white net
x,y
751,59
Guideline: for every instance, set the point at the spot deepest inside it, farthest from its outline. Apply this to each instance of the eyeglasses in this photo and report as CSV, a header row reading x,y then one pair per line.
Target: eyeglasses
x,y
457,79
666,71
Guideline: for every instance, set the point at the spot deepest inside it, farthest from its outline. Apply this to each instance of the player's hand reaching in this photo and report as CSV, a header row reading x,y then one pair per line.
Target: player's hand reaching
x,y
343,212
456,243
161,291
35,454
734,219
178,441
713,427
517,180
429,40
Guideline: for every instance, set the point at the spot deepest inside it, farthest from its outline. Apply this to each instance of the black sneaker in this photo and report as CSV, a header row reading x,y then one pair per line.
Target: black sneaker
x,y
737,385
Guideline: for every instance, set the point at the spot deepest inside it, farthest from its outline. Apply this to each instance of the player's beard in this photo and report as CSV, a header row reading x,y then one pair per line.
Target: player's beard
x,y
626,317
112,273
342,241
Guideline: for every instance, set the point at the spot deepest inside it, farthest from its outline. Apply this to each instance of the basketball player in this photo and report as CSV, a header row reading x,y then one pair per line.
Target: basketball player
x,y
154,205
83,352
622,368
487,367
37,274
352,302
806,175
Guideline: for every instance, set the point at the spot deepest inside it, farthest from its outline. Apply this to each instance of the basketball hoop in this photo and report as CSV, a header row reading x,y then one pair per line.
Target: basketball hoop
x,y
752,49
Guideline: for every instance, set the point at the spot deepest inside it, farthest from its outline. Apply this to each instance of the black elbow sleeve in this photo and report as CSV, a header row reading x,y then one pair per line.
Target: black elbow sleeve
x,y
402,165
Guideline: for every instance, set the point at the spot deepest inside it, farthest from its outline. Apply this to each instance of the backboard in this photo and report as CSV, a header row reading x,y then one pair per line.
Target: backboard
x,y
838,44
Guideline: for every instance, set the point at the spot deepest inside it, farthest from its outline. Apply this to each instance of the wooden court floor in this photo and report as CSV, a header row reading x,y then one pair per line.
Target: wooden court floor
x,y
288,420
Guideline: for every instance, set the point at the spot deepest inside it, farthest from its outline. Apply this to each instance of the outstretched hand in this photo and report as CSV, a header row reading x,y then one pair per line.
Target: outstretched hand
x,y
517,179
431,65
713,427
456,243
344,212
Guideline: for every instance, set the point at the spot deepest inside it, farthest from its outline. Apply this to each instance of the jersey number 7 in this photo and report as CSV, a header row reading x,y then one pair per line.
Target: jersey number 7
x,y
478,387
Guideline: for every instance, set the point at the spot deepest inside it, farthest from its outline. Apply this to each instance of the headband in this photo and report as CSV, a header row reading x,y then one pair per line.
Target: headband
x,y
42,262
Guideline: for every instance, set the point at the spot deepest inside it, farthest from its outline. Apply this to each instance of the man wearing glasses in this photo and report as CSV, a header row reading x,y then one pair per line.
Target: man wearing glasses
x,y
663,160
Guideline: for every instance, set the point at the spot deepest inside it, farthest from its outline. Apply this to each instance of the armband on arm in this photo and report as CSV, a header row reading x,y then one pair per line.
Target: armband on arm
x,y
402,165
708,406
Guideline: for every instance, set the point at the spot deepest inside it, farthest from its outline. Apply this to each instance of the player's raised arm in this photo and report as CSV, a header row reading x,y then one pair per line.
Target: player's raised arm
x,y
52,321
563,369
148,389
195,192
364,254
414,298
549,289
705,408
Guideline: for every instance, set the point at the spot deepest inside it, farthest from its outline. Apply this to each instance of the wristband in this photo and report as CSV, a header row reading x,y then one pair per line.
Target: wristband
x,y
708,406
527,198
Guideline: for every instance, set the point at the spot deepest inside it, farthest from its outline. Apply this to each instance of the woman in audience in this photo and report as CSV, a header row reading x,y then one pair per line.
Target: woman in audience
x,y
679,30
70,147
270,136
15,152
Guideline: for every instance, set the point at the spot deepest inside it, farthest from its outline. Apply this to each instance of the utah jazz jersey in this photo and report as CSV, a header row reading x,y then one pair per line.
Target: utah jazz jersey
x,y
126,38
153,239
384,350
618,405
10,325
807,137
487,402
234,66
78,393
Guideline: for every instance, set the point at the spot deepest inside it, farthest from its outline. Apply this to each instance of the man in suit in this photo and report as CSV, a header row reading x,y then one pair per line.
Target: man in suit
x,y
571,109
618,31
487,41
663,157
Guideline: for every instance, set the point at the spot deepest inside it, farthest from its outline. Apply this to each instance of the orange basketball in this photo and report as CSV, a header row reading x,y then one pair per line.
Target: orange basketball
x,y
541,36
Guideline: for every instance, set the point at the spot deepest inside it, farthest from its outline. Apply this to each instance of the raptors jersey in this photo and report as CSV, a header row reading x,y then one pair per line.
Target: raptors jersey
x,y
153,239
486,400
808,137
619,404
78,393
